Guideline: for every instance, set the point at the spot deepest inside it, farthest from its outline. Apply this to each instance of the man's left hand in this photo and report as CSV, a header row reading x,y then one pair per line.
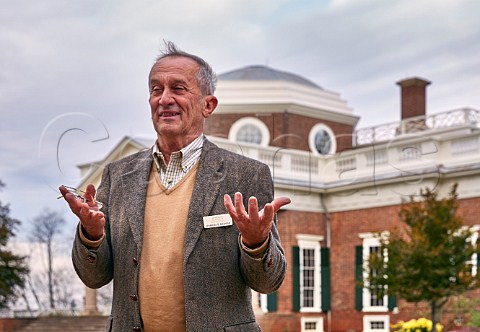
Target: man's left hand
x,y
254,225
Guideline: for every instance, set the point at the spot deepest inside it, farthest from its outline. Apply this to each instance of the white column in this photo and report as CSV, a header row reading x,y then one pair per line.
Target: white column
x,y
90,308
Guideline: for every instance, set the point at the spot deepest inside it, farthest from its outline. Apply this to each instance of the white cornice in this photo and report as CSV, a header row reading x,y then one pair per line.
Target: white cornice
x,y
279,92
378,194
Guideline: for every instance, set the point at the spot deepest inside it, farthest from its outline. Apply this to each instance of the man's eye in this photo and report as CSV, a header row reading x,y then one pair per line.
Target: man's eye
x,y
156,90
179,88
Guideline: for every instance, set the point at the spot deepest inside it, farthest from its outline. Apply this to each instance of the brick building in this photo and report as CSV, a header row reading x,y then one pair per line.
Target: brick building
x,y
345,184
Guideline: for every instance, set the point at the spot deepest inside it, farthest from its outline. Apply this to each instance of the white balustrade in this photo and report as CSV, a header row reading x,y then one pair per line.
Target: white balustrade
x,y
404,153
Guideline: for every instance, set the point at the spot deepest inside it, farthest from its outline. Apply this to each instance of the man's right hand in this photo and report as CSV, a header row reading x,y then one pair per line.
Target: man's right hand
x,y
92,220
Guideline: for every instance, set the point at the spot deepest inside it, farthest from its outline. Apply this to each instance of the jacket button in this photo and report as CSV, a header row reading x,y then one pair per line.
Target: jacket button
x,y
133,297
135,261
270,262
136,329
91,259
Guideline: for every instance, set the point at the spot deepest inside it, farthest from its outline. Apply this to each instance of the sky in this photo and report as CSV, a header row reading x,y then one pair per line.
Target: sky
x,y
73,74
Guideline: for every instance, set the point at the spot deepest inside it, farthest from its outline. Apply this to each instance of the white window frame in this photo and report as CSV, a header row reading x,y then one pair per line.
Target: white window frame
x,y
311,242
368,319
263,302
259,302
371,240
311,139
237,125
317,320
474,239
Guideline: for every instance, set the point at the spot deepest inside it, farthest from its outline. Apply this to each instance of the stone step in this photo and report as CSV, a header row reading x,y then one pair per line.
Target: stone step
x,y
66,324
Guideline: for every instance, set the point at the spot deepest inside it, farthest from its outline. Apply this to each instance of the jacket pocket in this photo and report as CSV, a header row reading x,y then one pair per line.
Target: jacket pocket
x,y
251,326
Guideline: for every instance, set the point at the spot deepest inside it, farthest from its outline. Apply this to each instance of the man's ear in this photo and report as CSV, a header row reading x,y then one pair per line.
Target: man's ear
x,y
211,103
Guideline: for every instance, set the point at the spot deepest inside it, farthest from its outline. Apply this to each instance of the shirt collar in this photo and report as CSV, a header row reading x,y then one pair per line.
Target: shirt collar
x,y
189,154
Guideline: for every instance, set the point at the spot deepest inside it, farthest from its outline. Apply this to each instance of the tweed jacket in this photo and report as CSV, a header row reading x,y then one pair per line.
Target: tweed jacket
x,y
218,274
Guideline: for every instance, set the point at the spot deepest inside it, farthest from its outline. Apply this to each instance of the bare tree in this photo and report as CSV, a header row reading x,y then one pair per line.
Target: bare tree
x,y
64,294
46,227
34,292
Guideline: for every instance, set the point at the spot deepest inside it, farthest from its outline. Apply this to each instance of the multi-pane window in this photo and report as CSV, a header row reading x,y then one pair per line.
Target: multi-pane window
x,y
379,323
372,299
308,272
376,300
310,288
249,130
249,133
312,324
473,261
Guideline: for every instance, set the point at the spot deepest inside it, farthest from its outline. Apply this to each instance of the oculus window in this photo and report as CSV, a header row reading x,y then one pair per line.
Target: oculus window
x,y
249,130
322,140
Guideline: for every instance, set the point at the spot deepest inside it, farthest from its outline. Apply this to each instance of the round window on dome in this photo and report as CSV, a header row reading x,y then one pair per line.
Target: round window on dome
x,y
249,133
249,130
322,140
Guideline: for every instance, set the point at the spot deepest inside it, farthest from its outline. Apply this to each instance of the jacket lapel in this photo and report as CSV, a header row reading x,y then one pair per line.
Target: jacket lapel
x,y
208,182
134,187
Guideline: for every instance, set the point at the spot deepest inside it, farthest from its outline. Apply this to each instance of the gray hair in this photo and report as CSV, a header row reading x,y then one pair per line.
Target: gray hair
x,y
206,77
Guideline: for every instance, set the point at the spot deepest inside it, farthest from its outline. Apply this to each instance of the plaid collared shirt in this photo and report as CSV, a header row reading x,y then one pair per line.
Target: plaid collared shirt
x,y
180,162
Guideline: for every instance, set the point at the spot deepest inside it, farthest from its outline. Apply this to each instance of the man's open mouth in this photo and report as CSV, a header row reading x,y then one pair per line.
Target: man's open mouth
x,y
167,114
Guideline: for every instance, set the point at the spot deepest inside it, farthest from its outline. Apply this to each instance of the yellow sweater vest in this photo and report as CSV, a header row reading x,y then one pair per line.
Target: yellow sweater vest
x,y
161,288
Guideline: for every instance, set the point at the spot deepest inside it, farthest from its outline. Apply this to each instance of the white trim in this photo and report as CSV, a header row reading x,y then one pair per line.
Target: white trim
x,y
368,319
369,236
317,320
311,139
237,125
235,93
308,239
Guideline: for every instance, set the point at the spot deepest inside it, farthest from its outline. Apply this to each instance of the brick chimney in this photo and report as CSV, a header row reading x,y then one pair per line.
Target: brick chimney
x,y
413,97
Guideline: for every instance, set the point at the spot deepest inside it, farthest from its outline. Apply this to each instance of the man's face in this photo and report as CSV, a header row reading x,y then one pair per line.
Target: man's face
x,y
177,105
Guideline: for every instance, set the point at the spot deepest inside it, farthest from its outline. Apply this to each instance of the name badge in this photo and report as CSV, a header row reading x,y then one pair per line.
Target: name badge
x,y
219,220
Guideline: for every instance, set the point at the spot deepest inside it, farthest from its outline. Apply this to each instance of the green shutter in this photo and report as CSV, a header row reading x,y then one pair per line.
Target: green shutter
x,y
296,278
478,261
272,302
392,302
325,277
358,278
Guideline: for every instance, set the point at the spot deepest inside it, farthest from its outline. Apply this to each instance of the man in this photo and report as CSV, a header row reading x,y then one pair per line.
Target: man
x,y
165,233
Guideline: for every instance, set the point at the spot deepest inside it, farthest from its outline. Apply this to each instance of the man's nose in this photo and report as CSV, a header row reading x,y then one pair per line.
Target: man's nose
x,y
166,98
